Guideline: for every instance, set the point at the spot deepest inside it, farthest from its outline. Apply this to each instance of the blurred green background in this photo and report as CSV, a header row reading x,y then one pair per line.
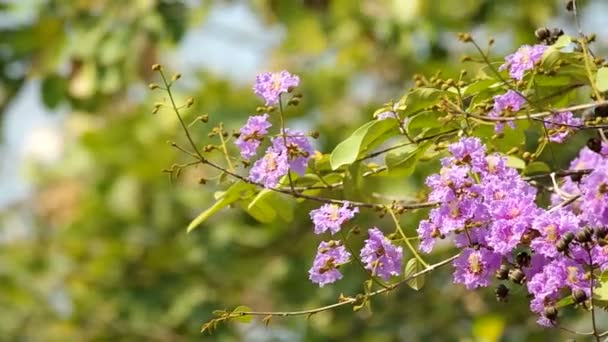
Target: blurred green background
x,y
93,243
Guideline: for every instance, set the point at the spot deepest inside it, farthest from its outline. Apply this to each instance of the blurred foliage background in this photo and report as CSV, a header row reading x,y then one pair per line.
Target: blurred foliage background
x,y
92,240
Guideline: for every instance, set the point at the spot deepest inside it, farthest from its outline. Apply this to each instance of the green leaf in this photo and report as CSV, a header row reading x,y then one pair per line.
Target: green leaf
x,y
515,162
564,302
562,41
537,167
267,204
243,318
426,119
403,161
412,267
481,85
231,195
371,133
601,79
418,99
550,57
601,292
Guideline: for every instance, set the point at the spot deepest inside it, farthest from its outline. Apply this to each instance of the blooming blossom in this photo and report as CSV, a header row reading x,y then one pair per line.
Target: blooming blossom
x,y
594,189
560,126
509,102
269,169
552,225
298,149
251,135
270,85
380,256
474,268
330,255
331,217
523,60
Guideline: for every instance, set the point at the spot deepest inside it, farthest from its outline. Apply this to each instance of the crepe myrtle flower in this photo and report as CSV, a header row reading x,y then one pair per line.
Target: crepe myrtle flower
x,y
270,85
298,149
252,134
552,225
523,60
561,125
380,256
469,151
475,268
330,255
594,189
509,102
331,217
269,169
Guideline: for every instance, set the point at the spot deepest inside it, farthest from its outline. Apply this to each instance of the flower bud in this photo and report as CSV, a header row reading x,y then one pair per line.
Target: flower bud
x,y
176,77
583,236
502,293
579,296
503,272
156,67
600,233
189,102
601,111
153,86
594,144
517,276
542,33
568,237
550,312
523,259
561,246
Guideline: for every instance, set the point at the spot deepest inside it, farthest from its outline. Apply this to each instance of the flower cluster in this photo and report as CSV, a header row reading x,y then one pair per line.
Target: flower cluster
x,y
491,213
505,104
251,135
561,125
523,60
380,256
270,85
289,151
331,217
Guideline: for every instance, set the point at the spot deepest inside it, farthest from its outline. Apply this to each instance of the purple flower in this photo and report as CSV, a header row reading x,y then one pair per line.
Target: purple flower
x,y
269,169
594,189
380,256
586,159
560,125
387,115
298,149
252,134
474,268
509,102
523,60
331,217
552,225
428,232
270,86
330,255
546,285
468,151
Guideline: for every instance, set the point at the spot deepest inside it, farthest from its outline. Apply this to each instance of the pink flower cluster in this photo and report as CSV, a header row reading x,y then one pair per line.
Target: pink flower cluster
x,y
490,212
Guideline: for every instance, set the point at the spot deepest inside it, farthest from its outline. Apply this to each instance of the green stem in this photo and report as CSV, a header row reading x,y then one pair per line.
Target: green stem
x,y
406,239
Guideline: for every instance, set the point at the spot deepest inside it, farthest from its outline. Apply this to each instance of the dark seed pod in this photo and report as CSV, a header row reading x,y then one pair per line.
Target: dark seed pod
x,y
542,33
517,276
594,144
550,312
503,272
502,293
576,177
570,5
601,111
579,296
583,236
600,233
561,246
568,237
523,259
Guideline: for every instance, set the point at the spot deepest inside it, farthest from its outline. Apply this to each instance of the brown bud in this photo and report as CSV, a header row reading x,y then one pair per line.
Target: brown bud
x,y
156,67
